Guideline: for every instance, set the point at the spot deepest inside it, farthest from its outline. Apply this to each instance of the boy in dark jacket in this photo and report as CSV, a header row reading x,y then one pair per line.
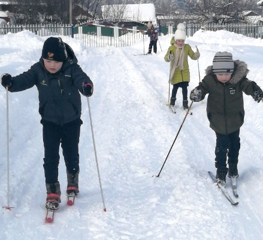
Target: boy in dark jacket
x,y
225,82
59,79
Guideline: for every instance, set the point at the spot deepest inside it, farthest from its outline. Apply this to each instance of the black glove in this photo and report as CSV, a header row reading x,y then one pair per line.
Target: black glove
x,y
6,80
258,95
196,95
87,89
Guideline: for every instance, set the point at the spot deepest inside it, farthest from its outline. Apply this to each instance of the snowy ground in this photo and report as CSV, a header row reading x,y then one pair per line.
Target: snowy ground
x,y
134,130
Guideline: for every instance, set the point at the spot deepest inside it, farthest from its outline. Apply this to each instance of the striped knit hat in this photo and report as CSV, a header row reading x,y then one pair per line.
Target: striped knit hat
x,y
223,63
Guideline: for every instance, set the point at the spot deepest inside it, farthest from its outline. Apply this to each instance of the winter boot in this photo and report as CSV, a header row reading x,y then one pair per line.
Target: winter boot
x,y
73,183
172,101
53,196
221,176
232,171
185,104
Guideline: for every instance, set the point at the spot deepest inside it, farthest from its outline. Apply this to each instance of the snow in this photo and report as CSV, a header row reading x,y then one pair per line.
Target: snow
x,y
3,14
2,22
134,130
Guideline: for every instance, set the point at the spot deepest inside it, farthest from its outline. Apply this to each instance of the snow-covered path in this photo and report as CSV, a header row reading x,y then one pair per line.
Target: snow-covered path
x,y
134,130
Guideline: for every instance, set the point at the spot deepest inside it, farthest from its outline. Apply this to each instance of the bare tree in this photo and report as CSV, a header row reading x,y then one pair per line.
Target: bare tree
x,y
217,11
114,12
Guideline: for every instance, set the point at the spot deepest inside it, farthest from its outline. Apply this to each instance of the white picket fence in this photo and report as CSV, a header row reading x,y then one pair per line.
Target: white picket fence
x,y
95,35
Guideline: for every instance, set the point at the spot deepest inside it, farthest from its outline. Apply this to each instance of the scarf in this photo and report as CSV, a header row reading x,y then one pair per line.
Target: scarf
x,y
178,60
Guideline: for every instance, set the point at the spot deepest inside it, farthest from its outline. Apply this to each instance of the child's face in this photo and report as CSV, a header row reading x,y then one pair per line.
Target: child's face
x,y
179,43
52,66
223,77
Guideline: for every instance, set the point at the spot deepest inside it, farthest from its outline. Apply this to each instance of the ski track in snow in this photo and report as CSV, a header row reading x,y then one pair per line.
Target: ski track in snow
x,y
134,130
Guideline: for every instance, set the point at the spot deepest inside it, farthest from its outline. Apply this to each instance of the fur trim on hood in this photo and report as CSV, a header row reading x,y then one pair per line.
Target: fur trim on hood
x,y
240,71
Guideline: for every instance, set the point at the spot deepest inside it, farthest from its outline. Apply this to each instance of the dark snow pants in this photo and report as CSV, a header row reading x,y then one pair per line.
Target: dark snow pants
x,y
68,135
154,45
184,86
227,145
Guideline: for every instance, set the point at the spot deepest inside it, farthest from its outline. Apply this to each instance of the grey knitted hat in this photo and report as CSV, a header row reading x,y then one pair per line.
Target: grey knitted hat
x,y
223,63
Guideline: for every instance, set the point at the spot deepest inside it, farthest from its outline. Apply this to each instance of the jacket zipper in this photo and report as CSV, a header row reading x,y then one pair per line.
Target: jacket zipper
x,y
60,86
225,108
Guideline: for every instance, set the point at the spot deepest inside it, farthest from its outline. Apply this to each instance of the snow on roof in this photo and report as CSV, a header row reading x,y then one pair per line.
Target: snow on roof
x,y
134,12
5,2
260,3
252,19
249,13
3,14
2,21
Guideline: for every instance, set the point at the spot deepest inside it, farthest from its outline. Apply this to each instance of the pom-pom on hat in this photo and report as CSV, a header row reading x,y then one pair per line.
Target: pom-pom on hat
x,y
223,63
54,49
180,32
181,26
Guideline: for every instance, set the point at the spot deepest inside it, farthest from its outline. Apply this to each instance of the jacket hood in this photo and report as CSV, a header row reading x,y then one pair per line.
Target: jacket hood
x,y
240,71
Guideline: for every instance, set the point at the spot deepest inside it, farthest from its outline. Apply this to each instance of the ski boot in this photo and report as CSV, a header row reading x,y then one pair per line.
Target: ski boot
x,y
73,187
221,176
232,171
172,103
185,104
53,196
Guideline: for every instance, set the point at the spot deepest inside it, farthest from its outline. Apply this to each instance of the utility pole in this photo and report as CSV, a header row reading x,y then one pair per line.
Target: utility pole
x,y
70,12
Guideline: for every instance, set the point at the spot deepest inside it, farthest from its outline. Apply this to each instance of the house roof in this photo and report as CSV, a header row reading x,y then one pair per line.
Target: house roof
x,y
249,13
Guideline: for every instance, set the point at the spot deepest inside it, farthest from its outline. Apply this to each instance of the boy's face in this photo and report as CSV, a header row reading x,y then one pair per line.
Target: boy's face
x,y
52,66
223,78
179,43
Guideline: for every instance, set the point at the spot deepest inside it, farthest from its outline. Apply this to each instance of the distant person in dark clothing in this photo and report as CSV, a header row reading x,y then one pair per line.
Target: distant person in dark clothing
x,y
153,34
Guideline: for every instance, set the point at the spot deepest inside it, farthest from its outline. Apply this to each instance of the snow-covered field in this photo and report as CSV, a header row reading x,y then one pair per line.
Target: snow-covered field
x,y
134,130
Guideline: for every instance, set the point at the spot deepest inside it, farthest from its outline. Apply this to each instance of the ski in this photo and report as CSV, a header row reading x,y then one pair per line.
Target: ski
x,y
233,181
72,193
139,54
71,199
190,112
172,108
50,214
223,190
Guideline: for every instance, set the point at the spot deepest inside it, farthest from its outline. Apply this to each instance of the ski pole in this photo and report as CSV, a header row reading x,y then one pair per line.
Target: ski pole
x,y
143,44
175,139
160,45
169,83
198,69
198,65
168,103
97,164
7,148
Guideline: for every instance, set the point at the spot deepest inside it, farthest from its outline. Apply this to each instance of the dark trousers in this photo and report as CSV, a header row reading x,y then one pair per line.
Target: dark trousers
x,y
154,45
68,136
184,86
227,145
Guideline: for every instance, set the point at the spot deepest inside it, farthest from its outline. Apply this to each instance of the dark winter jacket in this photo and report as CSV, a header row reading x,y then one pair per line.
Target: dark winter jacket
x,y
59,98
152,33
225,108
